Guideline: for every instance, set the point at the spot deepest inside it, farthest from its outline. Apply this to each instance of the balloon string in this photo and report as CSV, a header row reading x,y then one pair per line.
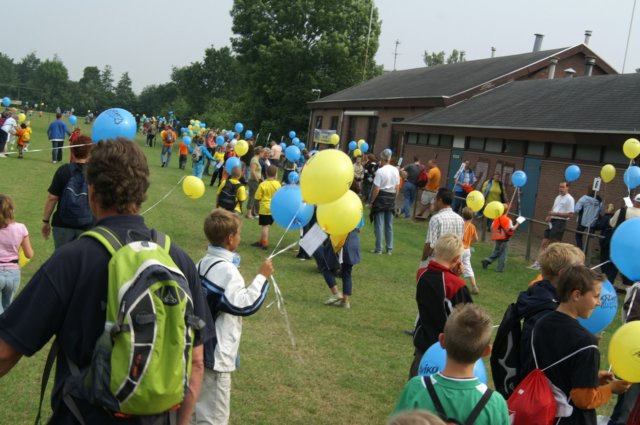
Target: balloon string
x,y
600,265
285,231
512,198
284,249
164,197
45,149
282,309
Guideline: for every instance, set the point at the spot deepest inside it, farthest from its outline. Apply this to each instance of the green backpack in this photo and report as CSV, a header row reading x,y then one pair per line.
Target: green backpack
x,y
142,361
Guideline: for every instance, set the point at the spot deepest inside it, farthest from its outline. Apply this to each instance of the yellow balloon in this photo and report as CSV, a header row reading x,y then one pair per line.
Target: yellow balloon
x,y
193,187
190,127
624,352
337,241
326,176
22,260
340,216
334,139
360,142
357,153
475,200
242,147
631,148
21,118
608,173
494,209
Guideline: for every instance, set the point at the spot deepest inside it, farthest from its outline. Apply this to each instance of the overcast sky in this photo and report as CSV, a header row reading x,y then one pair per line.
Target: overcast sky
x,y
147,38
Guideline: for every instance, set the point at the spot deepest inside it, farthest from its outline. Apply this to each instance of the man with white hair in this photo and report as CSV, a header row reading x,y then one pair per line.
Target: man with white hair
x,y
383,198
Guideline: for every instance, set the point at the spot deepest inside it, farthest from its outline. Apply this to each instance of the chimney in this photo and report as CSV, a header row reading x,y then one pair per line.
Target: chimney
x,y
587,36
589,62
462,53
493,51
538,43
552,68
569,73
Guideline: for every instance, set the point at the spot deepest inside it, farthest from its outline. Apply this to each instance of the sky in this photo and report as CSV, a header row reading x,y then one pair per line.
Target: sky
x,y
148,38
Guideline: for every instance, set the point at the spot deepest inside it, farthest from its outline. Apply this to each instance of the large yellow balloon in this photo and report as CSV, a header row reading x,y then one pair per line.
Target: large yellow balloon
x,y
340,216
337,241
334,139
326,176
608,173
193,187
631,148
357,153
22,260
624,352
242,147
475,200
494,209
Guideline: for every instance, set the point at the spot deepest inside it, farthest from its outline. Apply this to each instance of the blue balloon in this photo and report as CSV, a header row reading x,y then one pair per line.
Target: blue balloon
x,y
313,152
603,315
239,127
73,120
632,177
186,140
389,151
435,358
625,249
572,173
229,135
292,153
301,146
6,101
113,123
295,141
248,134
292,134
288,209
219,140
283,145
364,148
203,125
231,163
519,178
294,177
353,145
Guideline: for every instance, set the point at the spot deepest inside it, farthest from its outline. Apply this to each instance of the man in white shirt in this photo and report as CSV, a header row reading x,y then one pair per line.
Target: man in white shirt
x,y
383,196
276,152
563,210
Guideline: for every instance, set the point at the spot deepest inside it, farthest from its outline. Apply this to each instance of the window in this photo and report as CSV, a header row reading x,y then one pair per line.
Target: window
x,y
434,139
412,138
514,147
446,140
613,154
319,122
536,148
588,153
423,138
372,131
334,122
476,143
561,150
351,131
493,145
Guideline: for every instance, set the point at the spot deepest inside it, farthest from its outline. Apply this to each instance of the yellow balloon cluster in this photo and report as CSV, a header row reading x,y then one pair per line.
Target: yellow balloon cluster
x,y
608,173
624,352
475,200
493,210
242,147
631,148
326,176
342,215
193,187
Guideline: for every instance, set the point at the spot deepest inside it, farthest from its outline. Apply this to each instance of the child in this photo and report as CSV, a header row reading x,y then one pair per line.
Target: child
x,y
198,153
24,136
466,337
470,237
502,229
183,151
13,236
264,194
559,336
218,157
232,193
228,300
439,289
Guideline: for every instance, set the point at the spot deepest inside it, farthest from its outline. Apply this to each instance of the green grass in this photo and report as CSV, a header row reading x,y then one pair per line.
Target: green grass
x,y
348,366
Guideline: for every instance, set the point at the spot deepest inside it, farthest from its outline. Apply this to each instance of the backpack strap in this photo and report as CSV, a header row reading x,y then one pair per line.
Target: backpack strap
x,y
479,407
475,413
51,357
106,237
434,398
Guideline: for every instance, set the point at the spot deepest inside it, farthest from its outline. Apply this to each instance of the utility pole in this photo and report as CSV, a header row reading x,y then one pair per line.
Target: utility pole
x,y
395,54
366,51
626,50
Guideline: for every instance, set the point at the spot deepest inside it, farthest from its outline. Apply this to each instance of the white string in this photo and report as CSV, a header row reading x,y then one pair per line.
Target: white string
x,y
45,149
284,249
164,197
600,265
282,309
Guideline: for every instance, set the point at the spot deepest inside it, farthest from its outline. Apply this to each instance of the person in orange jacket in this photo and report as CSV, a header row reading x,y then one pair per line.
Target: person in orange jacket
x,y
502,229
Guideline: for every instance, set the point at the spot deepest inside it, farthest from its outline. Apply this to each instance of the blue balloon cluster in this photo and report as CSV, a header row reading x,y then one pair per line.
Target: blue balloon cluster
x,y
288,209
519,178
113,123
435,358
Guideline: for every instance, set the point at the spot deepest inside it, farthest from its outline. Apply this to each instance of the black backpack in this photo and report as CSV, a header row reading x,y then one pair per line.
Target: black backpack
x,y
440,410
196,155
227,196
73,205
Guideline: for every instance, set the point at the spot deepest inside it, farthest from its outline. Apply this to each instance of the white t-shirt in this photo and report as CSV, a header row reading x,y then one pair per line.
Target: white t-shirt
x,y
387,178
276,151
9,125
563,204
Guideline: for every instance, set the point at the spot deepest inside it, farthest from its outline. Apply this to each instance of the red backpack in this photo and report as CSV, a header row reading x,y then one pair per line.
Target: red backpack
x,y
423,178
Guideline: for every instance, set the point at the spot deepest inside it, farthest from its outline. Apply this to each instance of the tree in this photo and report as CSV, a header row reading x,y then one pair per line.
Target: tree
x,y
437,58
51,80
125,96
8,76
289,47
27,69
91,89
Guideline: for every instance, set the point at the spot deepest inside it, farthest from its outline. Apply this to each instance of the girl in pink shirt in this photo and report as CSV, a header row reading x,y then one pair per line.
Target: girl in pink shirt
x,y
12,236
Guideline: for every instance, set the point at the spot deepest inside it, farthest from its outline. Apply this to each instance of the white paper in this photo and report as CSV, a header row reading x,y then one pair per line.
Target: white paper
x,y
521,219
628,202
313,239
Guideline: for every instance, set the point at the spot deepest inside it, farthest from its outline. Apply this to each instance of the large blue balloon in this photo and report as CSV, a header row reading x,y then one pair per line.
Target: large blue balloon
x,y
6,101
519,178
288,209
632,177
292,153
364,148
248,134
625,249
572,173
435,358
293,177
219,140
603,315
353,145
292,134
231,163
112,123
73,120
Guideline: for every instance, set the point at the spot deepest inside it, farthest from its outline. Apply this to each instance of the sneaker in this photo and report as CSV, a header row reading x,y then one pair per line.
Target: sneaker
x,y
534,266
334,299
376,252
2,155
257,244
485,264
55,162
389,251
408,332
342,304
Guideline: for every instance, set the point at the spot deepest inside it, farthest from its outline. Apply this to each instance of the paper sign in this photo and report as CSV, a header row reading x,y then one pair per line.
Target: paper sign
x,y
628,202
521,219
313,239
596,184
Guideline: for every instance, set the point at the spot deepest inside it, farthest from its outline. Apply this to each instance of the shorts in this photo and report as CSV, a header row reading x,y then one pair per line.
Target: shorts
x,y
556,231
466,263
265,220
426,198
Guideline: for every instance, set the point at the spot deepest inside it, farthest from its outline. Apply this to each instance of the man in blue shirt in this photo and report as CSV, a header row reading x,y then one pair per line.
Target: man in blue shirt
x,y
464,176
56,132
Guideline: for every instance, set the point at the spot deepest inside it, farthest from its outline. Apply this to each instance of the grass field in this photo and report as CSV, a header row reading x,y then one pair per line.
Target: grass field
x,y
348,366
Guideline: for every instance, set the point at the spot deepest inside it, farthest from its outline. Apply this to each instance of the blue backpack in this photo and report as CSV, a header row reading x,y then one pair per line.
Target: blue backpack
x,y
73,206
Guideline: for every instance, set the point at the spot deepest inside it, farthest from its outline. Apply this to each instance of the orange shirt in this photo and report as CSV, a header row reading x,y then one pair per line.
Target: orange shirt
x,y
470,234
164,139
434,175
184,149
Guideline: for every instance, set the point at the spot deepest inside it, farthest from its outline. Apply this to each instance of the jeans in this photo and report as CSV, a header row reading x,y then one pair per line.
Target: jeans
x,y
345,273
198,168
383,219
409,191
500,251
63,235
166,150
459,201
56,153
9,282
624,405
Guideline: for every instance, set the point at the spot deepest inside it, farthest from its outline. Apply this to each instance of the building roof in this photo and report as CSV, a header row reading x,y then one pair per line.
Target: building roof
x,y
607,104
440,80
